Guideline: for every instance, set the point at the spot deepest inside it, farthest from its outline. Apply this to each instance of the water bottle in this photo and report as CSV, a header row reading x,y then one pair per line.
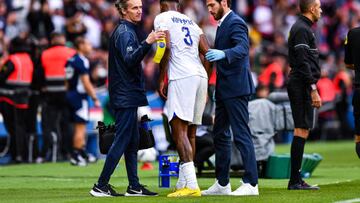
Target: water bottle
x,y
165,172
160,50
145,123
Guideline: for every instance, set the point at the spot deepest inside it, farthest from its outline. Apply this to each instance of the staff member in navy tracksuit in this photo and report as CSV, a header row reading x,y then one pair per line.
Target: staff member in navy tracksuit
x,y
127,93
233,89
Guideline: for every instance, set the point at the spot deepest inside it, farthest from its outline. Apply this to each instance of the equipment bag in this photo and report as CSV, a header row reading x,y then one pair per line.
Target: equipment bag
x,y
107,135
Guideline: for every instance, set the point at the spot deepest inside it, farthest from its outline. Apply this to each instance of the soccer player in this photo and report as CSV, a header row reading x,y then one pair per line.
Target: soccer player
x,y
77,74
186,95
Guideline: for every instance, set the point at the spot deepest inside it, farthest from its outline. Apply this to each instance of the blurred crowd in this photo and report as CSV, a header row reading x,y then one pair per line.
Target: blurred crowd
x,y
269,22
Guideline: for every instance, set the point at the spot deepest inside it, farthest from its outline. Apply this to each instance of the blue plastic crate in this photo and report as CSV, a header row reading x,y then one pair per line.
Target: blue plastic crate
x,y
168,168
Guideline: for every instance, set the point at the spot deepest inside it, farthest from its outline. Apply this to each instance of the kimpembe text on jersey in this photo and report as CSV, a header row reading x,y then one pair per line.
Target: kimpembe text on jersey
x,y
182,21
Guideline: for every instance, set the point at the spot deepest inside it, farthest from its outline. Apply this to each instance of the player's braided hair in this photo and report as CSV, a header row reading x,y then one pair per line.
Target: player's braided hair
x,y
121,5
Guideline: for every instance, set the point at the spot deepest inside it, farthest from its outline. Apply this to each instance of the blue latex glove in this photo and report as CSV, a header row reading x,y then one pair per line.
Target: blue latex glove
x,y
214,55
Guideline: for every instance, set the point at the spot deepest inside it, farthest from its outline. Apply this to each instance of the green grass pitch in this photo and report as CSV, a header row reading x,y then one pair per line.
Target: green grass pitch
x,y
338,175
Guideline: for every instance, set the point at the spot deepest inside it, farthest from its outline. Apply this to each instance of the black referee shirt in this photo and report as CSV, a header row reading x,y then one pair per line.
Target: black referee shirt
x,y
352,52
303,52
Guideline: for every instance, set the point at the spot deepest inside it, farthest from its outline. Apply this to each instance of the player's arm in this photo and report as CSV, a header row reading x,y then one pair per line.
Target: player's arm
x,y
348,59
203,48
350,66
90,90
239,36
6,70
131,51
164,67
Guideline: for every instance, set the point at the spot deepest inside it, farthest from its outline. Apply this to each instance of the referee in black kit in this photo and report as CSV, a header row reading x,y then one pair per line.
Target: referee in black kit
x,y
303,95
352,61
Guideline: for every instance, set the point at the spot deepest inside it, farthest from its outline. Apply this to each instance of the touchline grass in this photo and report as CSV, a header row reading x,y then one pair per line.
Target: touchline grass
x,y
338,175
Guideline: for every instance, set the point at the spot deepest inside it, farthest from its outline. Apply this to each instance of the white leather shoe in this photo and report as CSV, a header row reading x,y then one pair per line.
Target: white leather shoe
x,y
217,189
246,189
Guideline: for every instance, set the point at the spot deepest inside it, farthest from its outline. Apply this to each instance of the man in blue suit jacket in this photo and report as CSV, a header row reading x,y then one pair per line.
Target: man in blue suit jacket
x,y
234,86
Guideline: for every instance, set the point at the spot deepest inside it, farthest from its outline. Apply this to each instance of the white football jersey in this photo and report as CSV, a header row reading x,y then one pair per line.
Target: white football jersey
x,y
184,41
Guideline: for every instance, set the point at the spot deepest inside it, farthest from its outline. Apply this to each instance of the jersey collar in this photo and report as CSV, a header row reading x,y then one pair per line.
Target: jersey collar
x,y
128,23
306,20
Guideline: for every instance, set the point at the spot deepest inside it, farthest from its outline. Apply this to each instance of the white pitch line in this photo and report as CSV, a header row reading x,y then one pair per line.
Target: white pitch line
x,y
337,182
349,201
59,179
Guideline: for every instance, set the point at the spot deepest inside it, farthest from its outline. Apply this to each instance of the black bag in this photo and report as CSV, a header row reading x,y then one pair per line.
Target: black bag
x,y
146,139
107,135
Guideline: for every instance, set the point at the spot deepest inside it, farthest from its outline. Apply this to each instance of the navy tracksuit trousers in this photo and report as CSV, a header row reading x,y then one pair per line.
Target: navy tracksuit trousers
x,y
126,142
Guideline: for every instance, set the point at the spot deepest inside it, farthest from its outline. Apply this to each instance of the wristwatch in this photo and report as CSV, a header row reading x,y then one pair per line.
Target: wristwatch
x,y
313,87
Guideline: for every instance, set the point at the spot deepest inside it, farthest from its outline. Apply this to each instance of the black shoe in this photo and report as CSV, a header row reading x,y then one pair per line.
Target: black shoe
x,y
89,158
357,148
139,191
105,191
83,153
302,185
18,160
77,160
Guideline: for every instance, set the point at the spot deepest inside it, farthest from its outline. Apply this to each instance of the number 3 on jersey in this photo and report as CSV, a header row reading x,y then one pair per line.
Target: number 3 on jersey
x,y
188,41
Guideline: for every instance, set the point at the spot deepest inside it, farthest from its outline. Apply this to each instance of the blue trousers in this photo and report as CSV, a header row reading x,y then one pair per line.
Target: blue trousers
x,y
126,142
233,112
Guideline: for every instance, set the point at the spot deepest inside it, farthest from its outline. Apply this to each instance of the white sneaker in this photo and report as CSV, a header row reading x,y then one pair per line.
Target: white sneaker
x,y
246,189
40,160
78,160
91,158
217,189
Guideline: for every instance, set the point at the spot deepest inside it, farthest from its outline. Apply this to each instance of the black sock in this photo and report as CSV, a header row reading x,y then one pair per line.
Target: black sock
x,y
75,152
297,151
223,183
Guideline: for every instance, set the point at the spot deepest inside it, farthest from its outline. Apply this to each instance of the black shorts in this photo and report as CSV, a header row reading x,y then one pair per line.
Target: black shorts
x,y
356,105
300,102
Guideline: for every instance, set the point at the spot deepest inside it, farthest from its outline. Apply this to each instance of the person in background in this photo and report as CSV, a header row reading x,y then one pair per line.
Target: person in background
x,y
352,61
15,79
55,106
35,99
79,89
39,19
75,26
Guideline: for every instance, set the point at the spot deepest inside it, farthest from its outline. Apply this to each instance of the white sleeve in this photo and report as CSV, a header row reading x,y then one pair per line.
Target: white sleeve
x,y
160,23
